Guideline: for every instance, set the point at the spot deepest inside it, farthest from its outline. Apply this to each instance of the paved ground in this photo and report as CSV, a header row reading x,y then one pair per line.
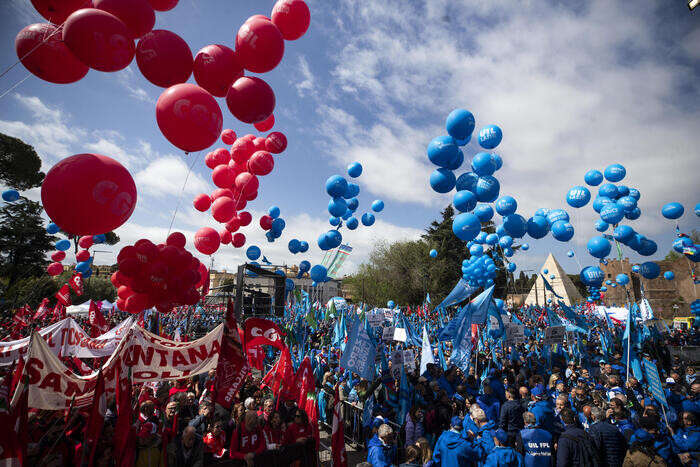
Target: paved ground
x,y
355,456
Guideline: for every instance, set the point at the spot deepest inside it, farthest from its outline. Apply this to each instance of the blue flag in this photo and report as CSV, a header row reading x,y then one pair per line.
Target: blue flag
x,y
426,354
480,306
359,353
404,397
549,287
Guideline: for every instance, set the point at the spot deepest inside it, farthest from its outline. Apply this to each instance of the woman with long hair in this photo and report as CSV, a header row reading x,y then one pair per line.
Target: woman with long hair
x,y
426,452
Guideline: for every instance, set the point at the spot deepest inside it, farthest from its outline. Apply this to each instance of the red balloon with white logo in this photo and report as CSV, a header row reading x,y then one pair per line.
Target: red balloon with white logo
x,y
292,18
215,68
276,142
250,99
137,15
207,240
259,45
42,51
164,58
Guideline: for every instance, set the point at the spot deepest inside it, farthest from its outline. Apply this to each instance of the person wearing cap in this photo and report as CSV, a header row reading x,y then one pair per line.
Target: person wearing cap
x,y
503,455
452,450
542,408
381,450
647,440
534,443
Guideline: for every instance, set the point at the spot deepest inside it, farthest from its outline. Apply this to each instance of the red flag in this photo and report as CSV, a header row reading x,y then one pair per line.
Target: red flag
x,y
281,378
42,310
59,311
260,331
311,409
141,321
205,284
97,320
19,320
124,438
14,441
304,381
76,283
63,295
256,357
232,367
338,435
97,418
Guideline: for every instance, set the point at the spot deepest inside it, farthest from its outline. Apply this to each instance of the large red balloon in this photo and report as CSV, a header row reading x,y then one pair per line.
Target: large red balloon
x,y
223,209
250,99
241,150
99,39
42,51
261,163
176,239
207,240
292,17
164,58
228,136
85,241
245,218
223,176
259,45
138,15
267,124
201,202
215,68
238,240
163,5
82,255
259,144
266,222
219,192
88,194
276,142
189,117
58,256
246,182
54,269
225,237
57,11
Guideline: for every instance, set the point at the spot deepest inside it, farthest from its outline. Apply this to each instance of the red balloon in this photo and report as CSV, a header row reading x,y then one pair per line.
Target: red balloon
x,y
58,256
292,17
219,192
259,144
207,240
203,274
250,99
54,269
241,150
266,222
56,11
176,239
246,182
215,68
124,292
146,248
238,240
259,45
266,124
256,17
209,160
261,163
240,202
163,5
82,255
138,15
223,209
238,167
189,117
276,142
202,202
130,266
88,194
191,297
249,137
228,136
42,52
221,156
126,252
225,237
251,196
223,176
233,225
245,218
164,58
85,242
115,279
137,303
99,39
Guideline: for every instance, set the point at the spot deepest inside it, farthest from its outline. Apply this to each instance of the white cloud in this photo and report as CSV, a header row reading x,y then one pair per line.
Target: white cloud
x,y
166,176
128,79
307,85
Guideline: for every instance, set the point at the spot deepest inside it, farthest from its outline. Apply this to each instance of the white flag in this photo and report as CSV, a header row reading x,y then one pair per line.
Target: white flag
x,y
426,354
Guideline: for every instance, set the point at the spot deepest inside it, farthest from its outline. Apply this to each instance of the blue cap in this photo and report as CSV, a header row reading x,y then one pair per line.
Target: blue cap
x,y
379,421
458,397
501,435
456,422
538,390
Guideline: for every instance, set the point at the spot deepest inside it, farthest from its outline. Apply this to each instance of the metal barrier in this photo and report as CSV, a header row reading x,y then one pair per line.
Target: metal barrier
x,y
688,353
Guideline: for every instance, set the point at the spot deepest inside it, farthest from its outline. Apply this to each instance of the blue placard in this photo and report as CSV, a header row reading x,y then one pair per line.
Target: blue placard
x,y
359,352
651,373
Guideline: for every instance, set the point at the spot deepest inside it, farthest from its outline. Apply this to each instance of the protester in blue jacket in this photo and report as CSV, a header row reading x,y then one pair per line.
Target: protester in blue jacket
x,y
535,443
451,449
381,451
687,439
502,455
543,409
484,434
489,403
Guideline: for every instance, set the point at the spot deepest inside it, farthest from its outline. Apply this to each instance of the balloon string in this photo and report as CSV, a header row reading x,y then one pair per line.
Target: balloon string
x,y
15,85
32,50
179,198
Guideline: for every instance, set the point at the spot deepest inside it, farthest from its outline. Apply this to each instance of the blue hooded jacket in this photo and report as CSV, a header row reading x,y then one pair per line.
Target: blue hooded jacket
x,y
503,456
538,446
484,441
451,450
380,455
544,415
491,406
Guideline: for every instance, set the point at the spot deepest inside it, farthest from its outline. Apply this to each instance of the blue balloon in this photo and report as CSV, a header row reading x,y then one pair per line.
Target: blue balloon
x,y
501,231
497,160
303,246
570,253
562,231
593,177
525,247
318,273
557,215
62,245
334,221
633,214
490,136
322,241
52,228
82,267
648,247
466,226
352,223
269,236
10,195
352,190
669,276
601,201
101,238
622,190
627,203
508,252
367,219
464,201
353,203
592,276
304,266
608,282
481,238
599,247
457,162
672,210
355,169
635,242
636,268
608,190
697,209
334,238
377,205
288,285
681,243
460,124
578,196
253,252
537,227
515,225
482,164
634,193
649,270
612,213
506,205
615,173
603,289
476,250
613,285
433,253
484,212
87,273
442,180
505,241
487,189
442,150
511,267
622,279
293,246
601,225
347,215
467,181
552,276
390,304
336,186
491,239
278,225
273,212
337,207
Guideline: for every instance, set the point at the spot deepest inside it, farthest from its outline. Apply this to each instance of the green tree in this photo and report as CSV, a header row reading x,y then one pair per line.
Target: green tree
x,y
19,164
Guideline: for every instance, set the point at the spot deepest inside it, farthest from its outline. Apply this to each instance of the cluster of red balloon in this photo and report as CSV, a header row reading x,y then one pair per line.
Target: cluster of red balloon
x,y
235,172
162,276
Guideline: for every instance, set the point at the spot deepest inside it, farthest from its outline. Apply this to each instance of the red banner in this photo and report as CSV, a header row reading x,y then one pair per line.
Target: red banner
x,y
260,331
42,310
231,368
97,320
63,295
76,283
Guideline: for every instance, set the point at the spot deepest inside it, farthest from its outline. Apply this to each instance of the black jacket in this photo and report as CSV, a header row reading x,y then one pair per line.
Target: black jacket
x,y
569,452
511,418
609,442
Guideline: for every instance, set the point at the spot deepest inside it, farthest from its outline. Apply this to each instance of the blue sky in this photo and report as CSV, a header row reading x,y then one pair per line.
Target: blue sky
x,y
372,80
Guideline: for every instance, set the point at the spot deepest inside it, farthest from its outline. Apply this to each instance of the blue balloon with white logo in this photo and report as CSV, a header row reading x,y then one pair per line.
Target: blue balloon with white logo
x,y
600,202
367,219
593,178
506,205
352,223
578,196
649,270
336,186
598,247
483,164
601,225
608,190
442,150
442,180
484,212
490,136
612,213
614,173
464,201
515,225
460,124
467,181
491,239
562,231
557,215
253,252
592,276
355,169
377,205
627,203
466,226
487,189
633,214
672,210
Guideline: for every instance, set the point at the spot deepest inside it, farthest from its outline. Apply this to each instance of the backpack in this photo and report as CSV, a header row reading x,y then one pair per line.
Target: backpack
x,y
589,455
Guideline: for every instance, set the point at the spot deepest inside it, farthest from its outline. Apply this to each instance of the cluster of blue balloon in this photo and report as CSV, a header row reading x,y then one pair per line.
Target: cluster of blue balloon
x,y
277,226
298,246
683,244
480,269
10,195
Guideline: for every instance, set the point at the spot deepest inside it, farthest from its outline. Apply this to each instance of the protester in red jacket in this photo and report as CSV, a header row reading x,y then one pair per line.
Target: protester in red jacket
x,y
247,440
299,430
274,431
215,439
